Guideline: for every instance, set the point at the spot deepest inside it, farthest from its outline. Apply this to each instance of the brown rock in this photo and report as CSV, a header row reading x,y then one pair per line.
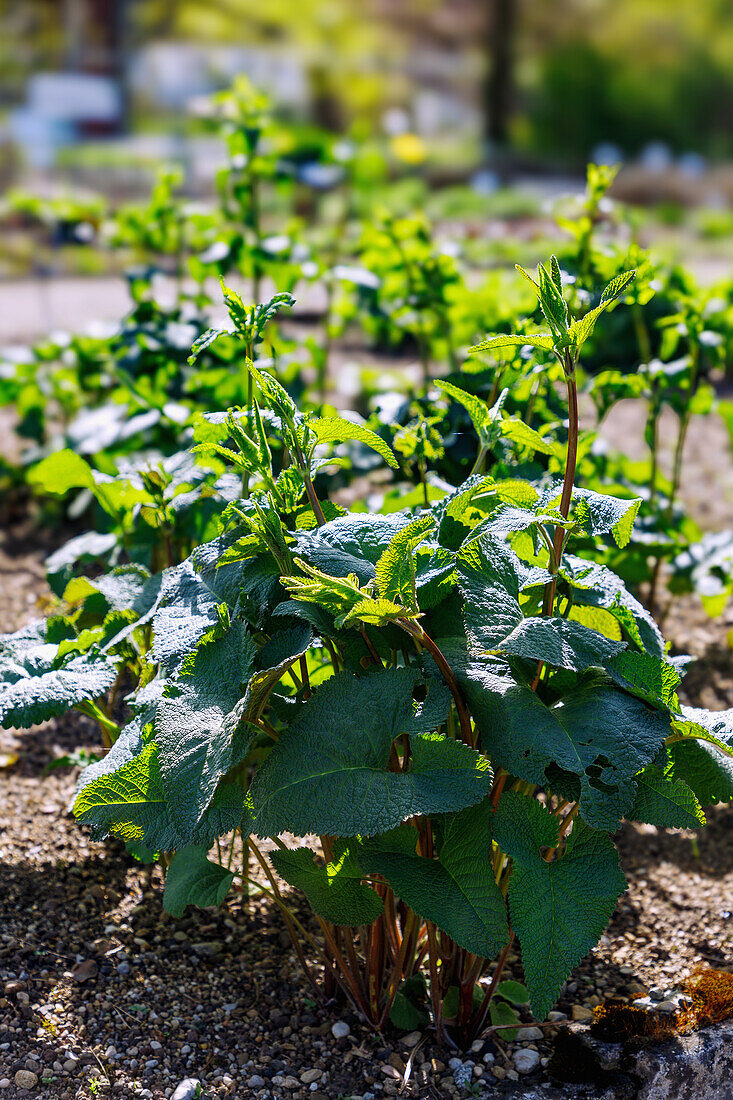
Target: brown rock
x,y
84,970
24,1079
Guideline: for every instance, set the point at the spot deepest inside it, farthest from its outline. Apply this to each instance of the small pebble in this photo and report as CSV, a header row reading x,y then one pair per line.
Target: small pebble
x,y
256,1082
582,1013
462,1074
411,1040
667,1007
188,1089
4,1082
309,1075
529,1034
526,1060
24,1079
340,1029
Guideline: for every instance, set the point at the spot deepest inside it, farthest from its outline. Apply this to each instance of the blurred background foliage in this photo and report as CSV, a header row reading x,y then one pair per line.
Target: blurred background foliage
x,y
549,79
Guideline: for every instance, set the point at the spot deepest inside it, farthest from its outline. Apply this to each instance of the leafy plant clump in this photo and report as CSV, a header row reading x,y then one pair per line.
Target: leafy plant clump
x,y
446,707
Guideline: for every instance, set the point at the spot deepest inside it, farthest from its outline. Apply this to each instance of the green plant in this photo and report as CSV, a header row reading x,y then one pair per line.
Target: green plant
x,y
459,708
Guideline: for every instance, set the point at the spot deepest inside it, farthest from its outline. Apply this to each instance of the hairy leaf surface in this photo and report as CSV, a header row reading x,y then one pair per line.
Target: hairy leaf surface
x,y
559,909
197,744
192,879
335,892
328,773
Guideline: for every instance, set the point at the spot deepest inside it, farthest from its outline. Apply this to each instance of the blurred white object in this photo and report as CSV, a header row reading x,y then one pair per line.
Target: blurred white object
x,y
656,157
692,165
58,107
395,121
74,97
607,153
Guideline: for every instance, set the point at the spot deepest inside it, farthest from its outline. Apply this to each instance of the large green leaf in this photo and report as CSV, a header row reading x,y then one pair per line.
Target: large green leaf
x,y
596,732
335,891
653,680
395,570
559,643
32,690
197,742
335,429
702,764
596,586
351,544
601,514
130,803
457,891
668,803
558,909
489,577
329,772
192,879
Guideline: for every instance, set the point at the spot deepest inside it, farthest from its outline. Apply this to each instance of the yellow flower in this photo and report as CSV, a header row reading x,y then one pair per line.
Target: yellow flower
x,y
409,148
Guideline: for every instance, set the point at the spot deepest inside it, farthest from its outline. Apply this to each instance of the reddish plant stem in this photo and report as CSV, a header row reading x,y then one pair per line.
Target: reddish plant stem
x,y
483,1010
305,677
435,997
548,599
498,786
350,980
376,968
397,971
417,632
376,660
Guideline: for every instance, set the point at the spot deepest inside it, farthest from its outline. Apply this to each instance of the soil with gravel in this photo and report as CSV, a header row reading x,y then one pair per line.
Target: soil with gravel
x,y
103,993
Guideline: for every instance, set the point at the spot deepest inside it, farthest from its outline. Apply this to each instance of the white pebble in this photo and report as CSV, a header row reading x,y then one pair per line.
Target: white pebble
x,y
528,1034
340,1029
526,1060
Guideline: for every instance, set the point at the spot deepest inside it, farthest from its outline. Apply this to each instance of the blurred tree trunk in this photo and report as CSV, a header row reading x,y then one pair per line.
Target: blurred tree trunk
x,y
502,23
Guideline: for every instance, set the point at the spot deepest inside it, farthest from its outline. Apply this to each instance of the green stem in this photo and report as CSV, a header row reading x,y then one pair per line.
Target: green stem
x,y
310,491
110,729
291,921
684,425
